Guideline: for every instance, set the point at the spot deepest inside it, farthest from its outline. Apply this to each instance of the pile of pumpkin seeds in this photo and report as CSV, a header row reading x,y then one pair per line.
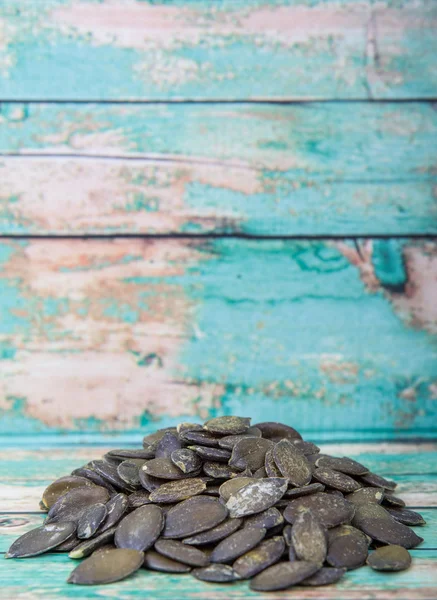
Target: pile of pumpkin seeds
x,y
225,501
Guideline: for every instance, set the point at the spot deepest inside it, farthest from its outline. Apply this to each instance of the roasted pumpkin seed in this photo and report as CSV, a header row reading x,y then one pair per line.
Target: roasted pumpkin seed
x,y
344,465
182,552
309,538
60,487
216,573
40,540
227,425
249,453
192,516
115,507
158,562
107,567
330,510
336,480
390,558
175,491
186,460
237,543
87,547
212,454
267,553
306,490
292,464
278,431
215,534
348,548
377,523
267,519
325,576
140,529
230,487
71,505
283,575
256,496
406,516
90,520
139,498
162,468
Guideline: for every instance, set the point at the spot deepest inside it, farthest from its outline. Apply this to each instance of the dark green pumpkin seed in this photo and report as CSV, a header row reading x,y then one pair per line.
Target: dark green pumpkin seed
x,y
167,444
373,480
332,492
325,576
237,543
60,487
90,521
201,438
307,448
366,495
211,454
344,465
95,478
377,523
140,529
230,487
109,473
249,453
256,497
278,431
406,516
158,562
182,552
139,498
68,545
306,490
390,558
89,546
309,538
286,532
115,507
348,548
212,490
267,553
40,540
292,464
260,473
153,438
283,575
215,534
267,519
391,500
270,465
148,482
175,491
192,516
107,567
330,510
227,425
71,505
336,480
219,470
229,441
216,573
186,460
129,472
185,426
127,453
162,468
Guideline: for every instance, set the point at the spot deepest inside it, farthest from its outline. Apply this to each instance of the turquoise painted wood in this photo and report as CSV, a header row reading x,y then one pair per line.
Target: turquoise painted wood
x,y
120,334
228,49
317,169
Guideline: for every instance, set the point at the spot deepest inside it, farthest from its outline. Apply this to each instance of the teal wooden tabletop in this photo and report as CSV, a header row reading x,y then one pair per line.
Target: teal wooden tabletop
x,y
24,473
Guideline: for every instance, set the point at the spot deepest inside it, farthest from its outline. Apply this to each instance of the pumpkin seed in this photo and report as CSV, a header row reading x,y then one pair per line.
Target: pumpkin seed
x,y
212,490
219,470
95,478
186,460
185,426
392,500
405,516
201,438
330,510
140,529
215,534
175,491
182,553
229,441
336,480
237,543
167,444
348,548
60,487
129,472
325,576
292,464
307,448
309,538
212,454
390,558
90,520
270,465
148,482
109,473
266,554
232,486
306,490
373,480
249,453
153,438
260,473
216,573
162,468
256,496
126,454
139,498
278,431
107,567
344,465
192,516
283,575
71,505
68,545
227,425
87,547
366,495
377,523
157,562
42,539
286,532
267,519
115,507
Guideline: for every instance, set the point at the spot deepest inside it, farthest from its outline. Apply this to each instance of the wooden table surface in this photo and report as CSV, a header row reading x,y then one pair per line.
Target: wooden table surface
x,y
25,472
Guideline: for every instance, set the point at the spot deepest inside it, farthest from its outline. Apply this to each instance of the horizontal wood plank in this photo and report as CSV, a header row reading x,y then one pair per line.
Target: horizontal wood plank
x,y
44,578
319,169
230,49
122,334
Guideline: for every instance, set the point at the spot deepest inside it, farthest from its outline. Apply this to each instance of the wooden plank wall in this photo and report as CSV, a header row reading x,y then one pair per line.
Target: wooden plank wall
x,y
218,207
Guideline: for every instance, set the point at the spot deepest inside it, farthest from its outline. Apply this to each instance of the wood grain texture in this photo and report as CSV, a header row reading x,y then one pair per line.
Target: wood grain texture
x,y
120,334
229,49
319,169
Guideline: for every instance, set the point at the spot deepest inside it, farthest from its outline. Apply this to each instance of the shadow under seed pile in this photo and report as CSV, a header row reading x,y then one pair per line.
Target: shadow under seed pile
x,y
225,501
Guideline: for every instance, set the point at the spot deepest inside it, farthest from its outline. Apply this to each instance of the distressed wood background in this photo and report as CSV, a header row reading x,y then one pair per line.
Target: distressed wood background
x,y
215,207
